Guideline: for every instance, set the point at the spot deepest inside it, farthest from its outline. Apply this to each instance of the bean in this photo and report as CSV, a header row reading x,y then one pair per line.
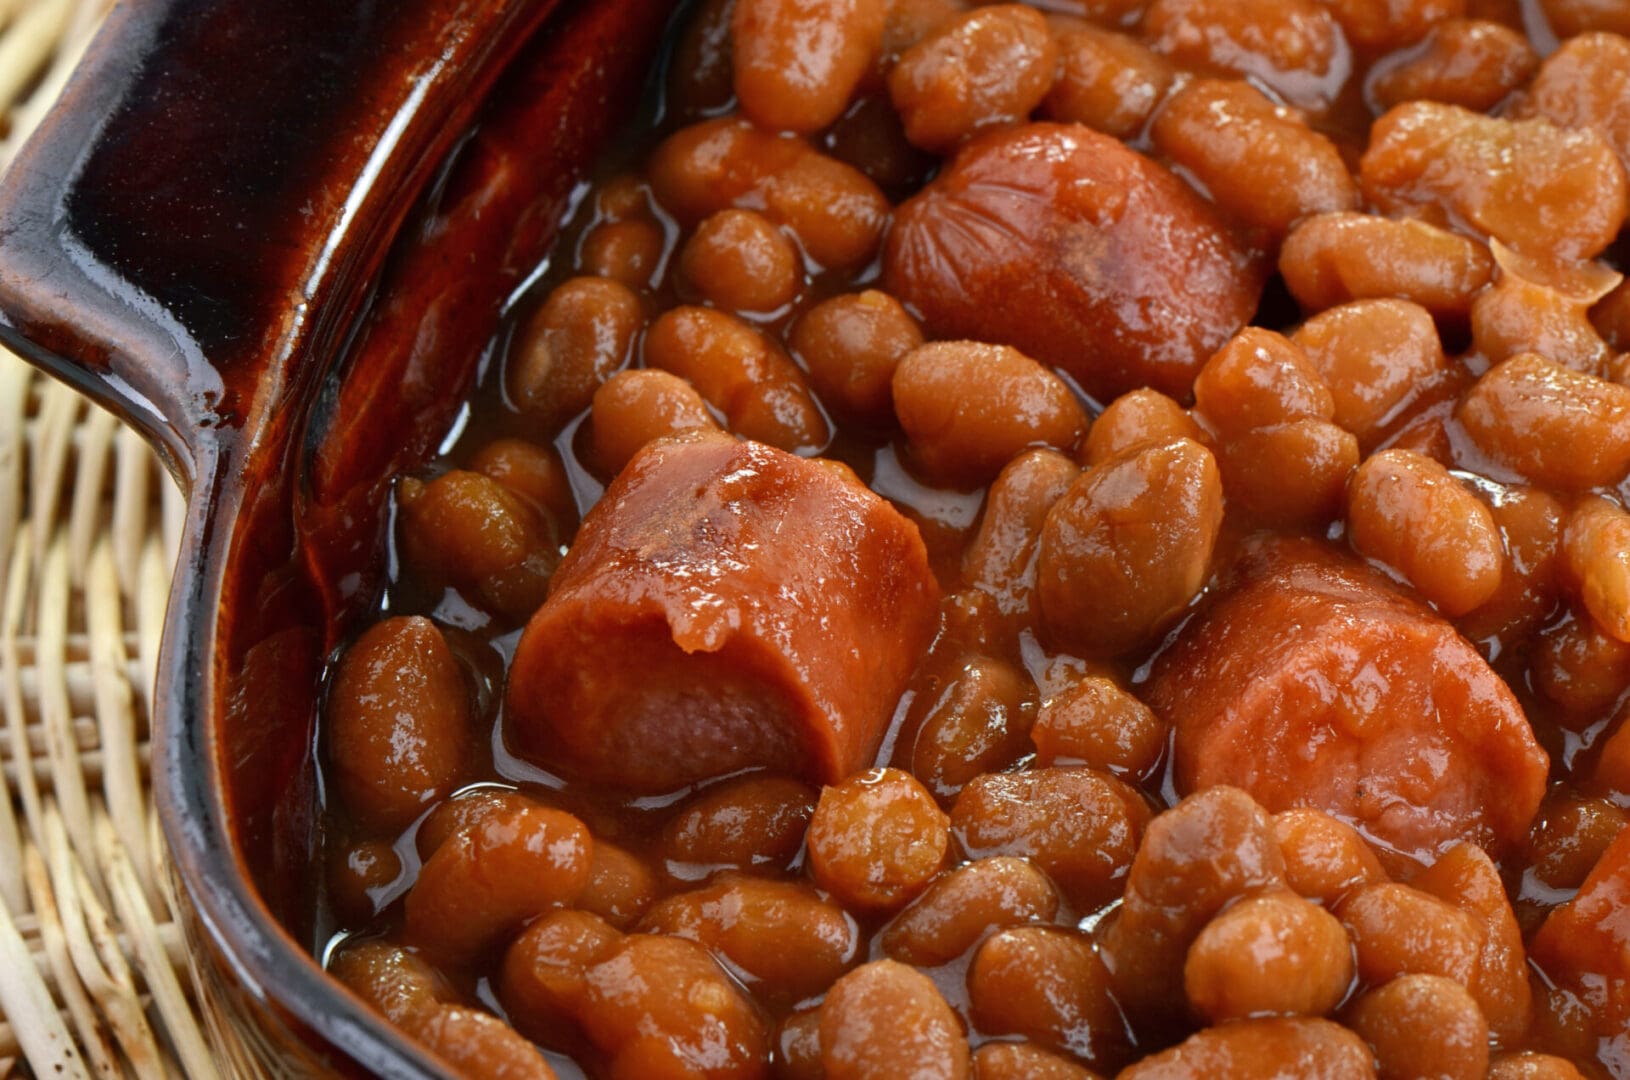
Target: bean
x,y
962,906
1094,722
581,335
1584,84
1133,420
1330,259
533,471
1128,546
1079,826
797,62
358,878
396,982
1579,666
1423,1025
626,252
1324,858
742,373
468,530
884,1020
1467,62
400,723
1293,47
877,839
1259,161
701,79
621,886
851,345
788,941
1572,833
967,408
1407,512
750,824
1540,189
976,724
1531,1066
1300,1047
1398,930
480,1046
1107,81
1375,355
1000,560
1531,523
1257,380
738,260
1024,1061
1049,985
634,408
1557,428
1378,26
985,68
1596,562
1467,878
1569,18
543,983
1273,953
1541,308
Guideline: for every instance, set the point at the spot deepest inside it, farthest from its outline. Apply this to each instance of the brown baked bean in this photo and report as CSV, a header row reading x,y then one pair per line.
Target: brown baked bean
x,y
1135,419
485,881
1291,473
832,209
909,21
1000,560
1257,380
1611,317
1297,1046
1467,62
968,408
1095,723
635,407
359,877
1407,512
1569,18
1583,950
661,1007
884,1020
480,1046
1195,858
1398,930
1051,235
1330,259
1375,355
877,839
1423,1025
985,68
1612,774
963,905
1293,47
871,137
798,1047
1542,308
530,470
581,335
742,373
755,823
1558,428
463,811
1543,190
1128,546
1259,161
400,723
1324,858
1530,522
788,941
627,252
797,62
1047,984
975,724
396,982
468,530
701,80
1106,80
1531,1066
850,345
1024,1061
1377,26
543,982
1080,826
620,886
1270,954
1596,563
739,261
1579,666
1586,84
1570,836
1467,878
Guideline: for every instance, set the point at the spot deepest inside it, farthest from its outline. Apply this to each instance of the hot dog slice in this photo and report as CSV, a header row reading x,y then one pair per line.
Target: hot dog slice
x,y
725,605
1313,682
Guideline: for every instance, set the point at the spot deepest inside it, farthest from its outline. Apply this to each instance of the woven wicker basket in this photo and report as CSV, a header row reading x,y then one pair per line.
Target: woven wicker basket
x,y
92,964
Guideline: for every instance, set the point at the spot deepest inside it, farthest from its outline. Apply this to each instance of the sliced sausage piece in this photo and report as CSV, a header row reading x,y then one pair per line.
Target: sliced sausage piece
x,y
725,605
1313,682
1066,245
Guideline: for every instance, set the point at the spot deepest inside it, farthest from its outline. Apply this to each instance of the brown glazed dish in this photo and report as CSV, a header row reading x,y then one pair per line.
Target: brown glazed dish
x,y
200,237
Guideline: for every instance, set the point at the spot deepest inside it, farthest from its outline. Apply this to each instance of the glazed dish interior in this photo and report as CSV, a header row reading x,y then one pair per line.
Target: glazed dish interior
x,y
1043,540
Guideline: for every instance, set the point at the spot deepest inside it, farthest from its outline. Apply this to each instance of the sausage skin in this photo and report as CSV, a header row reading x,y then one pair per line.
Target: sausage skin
x,y
725,606
1314,682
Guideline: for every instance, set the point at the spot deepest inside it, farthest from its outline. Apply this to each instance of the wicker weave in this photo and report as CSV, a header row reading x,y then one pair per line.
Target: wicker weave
x,y
92,967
